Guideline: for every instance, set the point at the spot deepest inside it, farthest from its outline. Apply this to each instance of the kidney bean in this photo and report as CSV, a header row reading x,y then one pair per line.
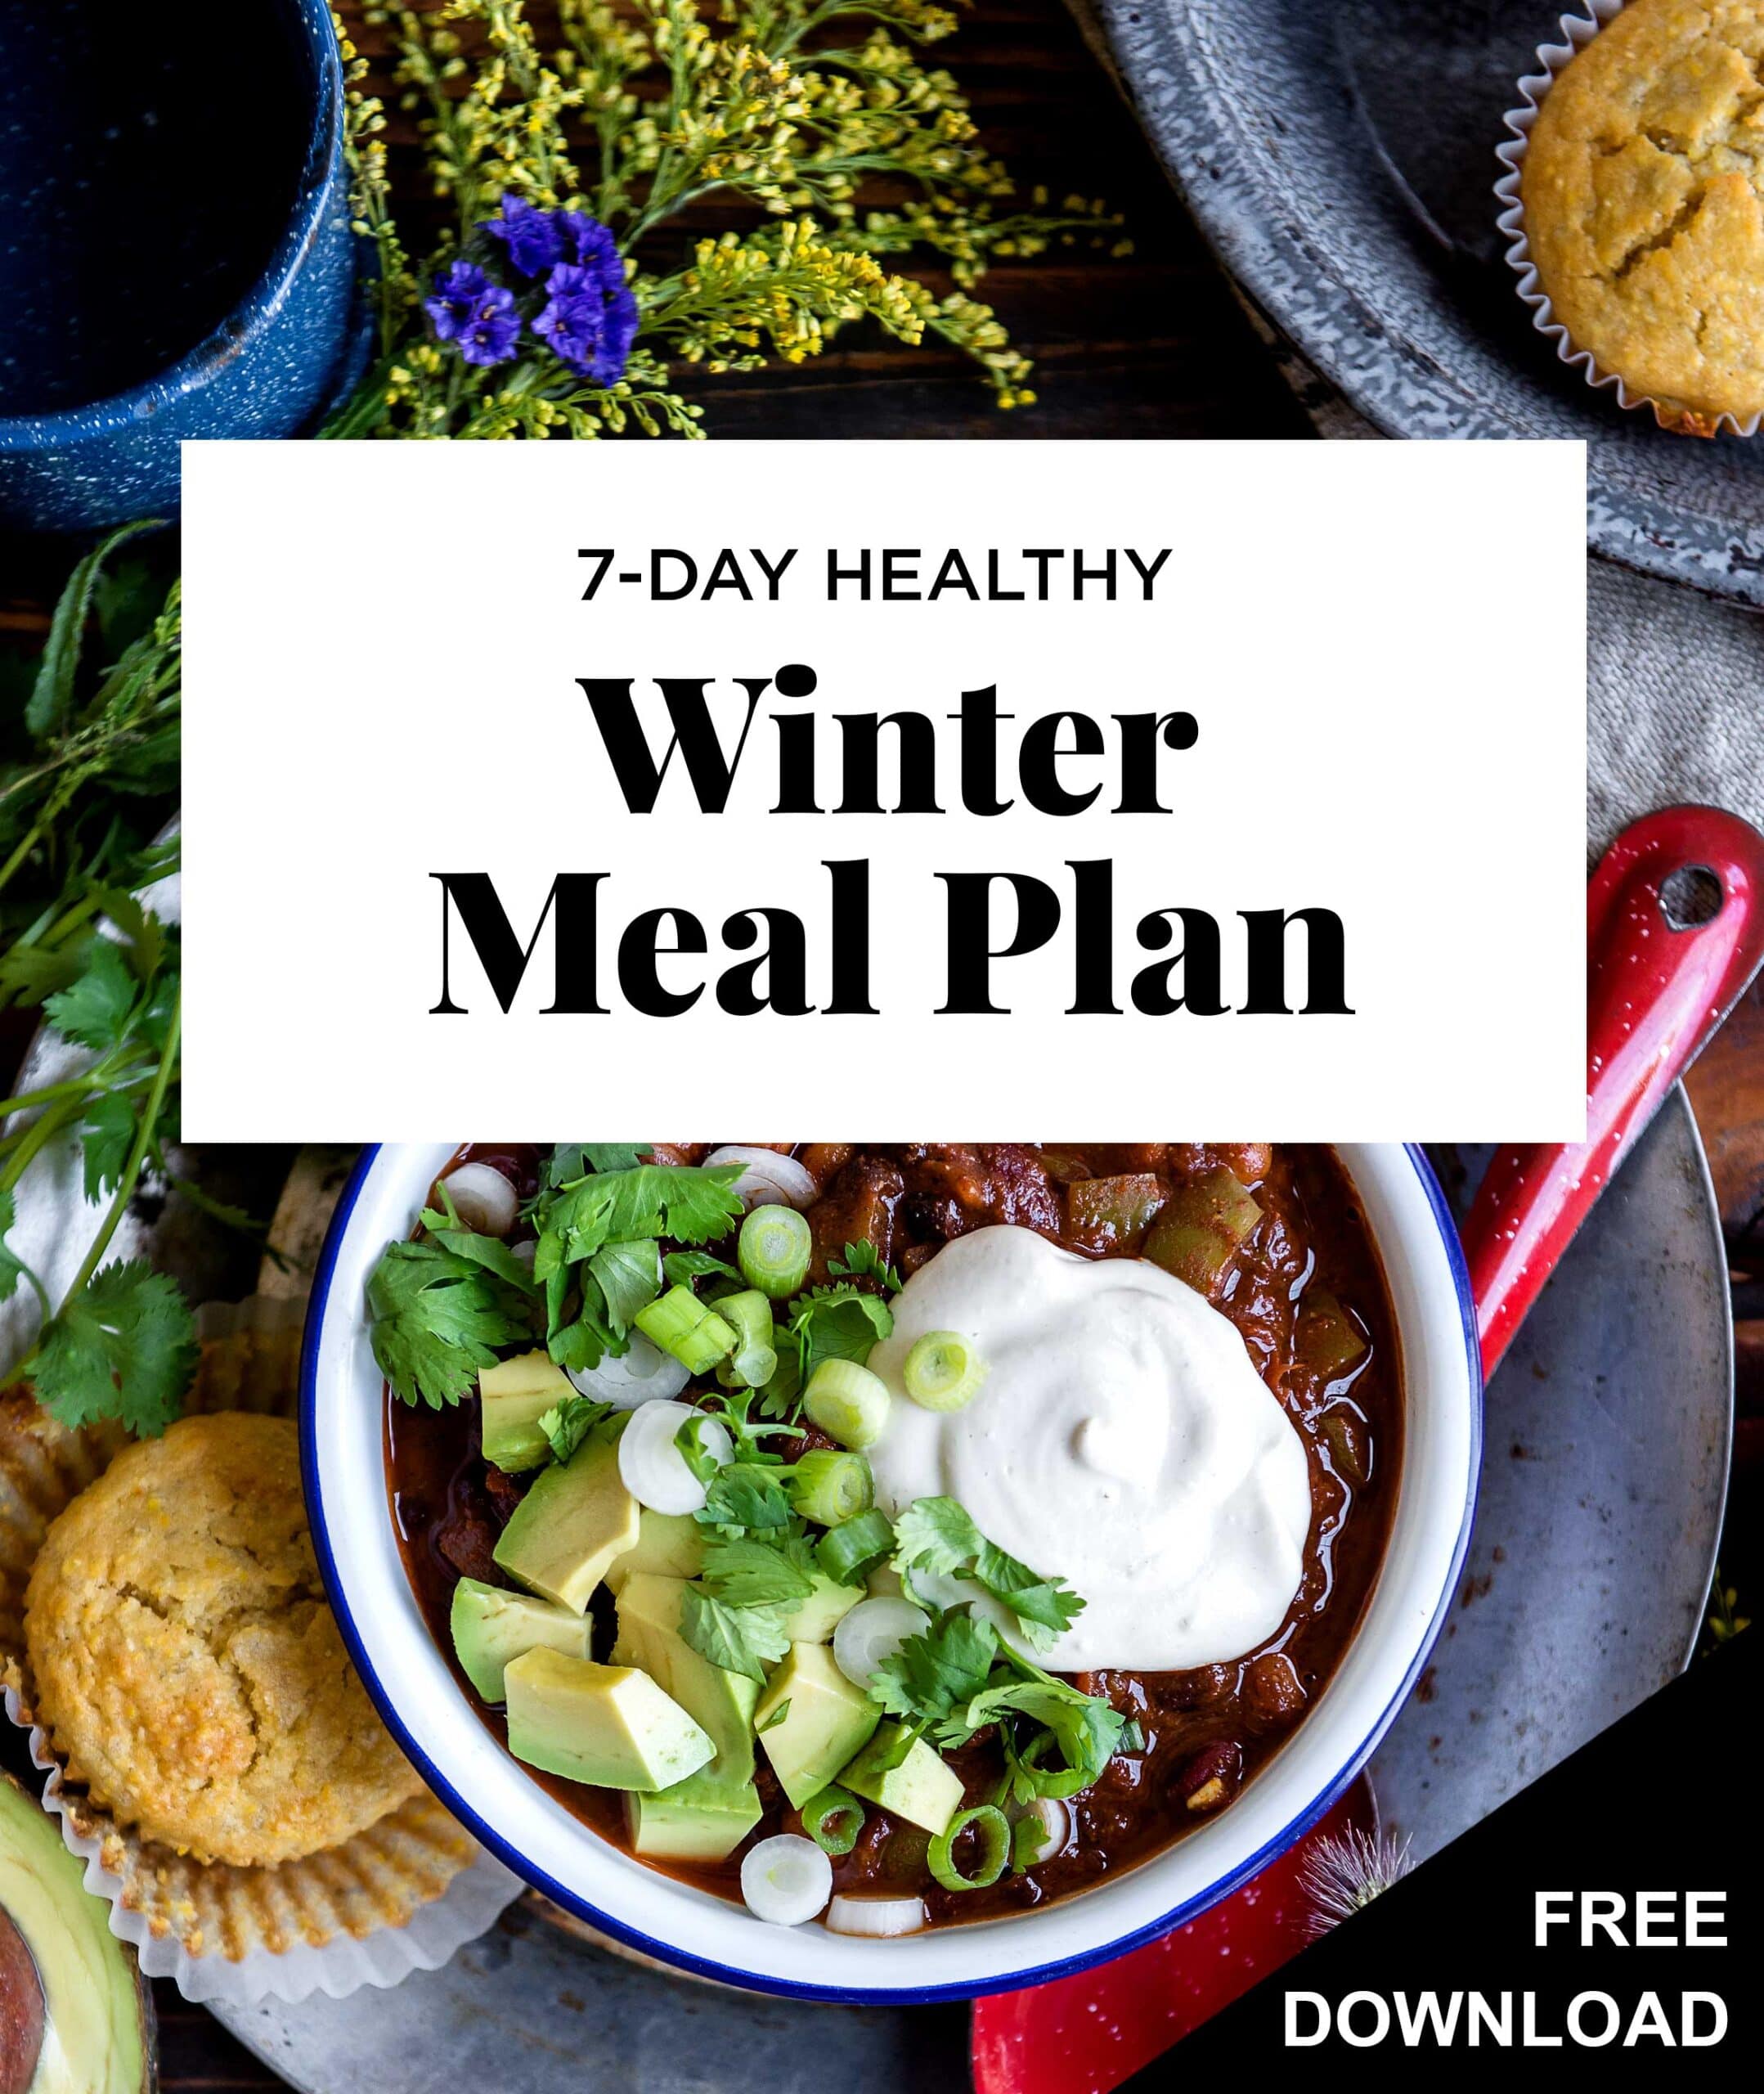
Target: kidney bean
x,y
1211,1778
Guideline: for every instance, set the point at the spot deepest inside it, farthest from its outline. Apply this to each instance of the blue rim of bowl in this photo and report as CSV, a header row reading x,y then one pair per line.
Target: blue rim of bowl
x,y
880,1995
65,427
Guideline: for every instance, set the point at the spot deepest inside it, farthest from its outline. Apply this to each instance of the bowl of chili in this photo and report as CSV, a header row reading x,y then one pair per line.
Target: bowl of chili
x,y
1230,1768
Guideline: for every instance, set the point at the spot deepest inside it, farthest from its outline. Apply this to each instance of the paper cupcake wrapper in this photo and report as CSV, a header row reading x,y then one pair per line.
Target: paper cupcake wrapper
x,y
1577,31
404,1895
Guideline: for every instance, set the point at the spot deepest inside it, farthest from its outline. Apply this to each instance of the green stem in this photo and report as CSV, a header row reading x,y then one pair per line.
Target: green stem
x,y
150,1114
73,1087
36,1137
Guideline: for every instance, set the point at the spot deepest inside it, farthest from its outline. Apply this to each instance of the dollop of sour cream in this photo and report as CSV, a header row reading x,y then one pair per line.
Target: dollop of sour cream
x,y
1122,1440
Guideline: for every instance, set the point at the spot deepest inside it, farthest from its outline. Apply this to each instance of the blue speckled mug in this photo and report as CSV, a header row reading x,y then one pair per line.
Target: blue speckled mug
x,y
175,254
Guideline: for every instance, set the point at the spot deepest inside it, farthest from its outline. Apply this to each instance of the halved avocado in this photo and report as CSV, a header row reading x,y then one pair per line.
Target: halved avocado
x,y
74,2015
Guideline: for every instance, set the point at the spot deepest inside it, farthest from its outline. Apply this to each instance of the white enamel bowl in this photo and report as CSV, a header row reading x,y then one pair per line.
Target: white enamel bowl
x,y
341,1436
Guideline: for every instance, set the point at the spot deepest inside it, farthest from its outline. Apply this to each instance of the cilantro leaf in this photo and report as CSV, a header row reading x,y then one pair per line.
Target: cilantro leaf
x,y
583,1340
31,974
569,1161
838,1322
730,1406
93,1009
124,1347
106,1135
937,1672
692,1204
748,1495
614,1156
864,1261
683,1267
489,1252
567,1424
1086,1731
937,1537
744,1639
694,1451
743,1571
630,1277
438,1317
144,935
782,1395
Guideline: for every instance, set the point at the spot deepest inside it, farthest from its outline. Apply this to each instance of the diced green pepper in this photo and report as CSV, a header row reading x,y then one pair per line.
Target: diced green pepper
x,y
1202,1226
1111,1212
1327,1340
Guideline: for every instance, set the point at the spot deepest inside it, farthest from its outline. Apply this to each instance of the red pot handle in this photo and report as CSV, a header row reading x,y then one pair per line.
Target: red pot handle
x,y
1654,995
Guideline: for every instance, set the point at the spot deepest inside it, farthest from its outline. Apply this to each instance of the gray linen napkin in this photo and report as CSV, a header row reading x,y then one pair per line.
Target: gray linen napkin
x,y
1675,701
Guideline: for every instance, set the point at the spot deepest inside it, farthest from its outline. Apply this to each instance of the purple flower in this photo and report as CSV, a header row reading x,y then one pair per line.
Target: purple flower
x,y
478,316
590,323
592,247
459,291
531,236
490,336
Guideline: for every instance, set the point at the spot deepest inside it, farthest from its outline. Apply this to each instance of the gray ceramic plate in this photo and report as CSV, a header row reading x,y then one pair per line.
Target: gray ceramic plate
x,y
1340,154
1607,1445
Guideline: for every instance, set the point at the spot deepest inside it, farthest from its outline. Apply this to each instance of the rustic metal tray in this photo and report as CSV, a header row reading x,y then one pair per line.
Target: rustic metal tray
x,y
1341,159
1607,1440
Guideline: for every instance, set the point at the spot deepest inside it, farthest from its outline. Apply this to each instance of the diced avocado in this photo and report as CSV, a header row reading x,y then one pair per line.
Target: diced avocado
x,y
648,1636
700,1819
922,1789
490,1626
813,1620
826,1719
512,1396
671,1544
608,1724
575,1519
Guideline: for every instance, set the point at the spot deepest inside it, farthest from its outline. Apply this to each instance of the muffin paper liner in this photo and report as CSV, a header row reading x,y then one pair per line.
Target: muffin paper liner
x,y
401,1896
1577,31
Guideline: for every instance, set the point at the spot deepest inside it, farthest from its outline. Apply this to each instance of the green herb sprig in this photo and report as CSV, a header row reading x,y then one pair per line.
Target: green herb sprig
x,y
79,806
959,1675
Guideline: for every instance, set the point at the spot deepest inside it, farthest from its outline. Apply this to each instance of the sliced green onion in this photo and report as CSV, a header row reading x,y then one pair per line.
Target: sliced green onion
x,y
833,1820
992,1831
1050,1782
849,1403
679,1323
829,1484
755,1359
773,1250
850,1552
1201,1227
943,1371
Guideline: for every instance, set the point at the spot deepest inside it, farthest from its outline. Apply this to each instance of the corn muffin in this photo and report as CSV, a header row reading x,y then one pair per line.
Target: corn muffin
x,y
185,1660
1643,191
